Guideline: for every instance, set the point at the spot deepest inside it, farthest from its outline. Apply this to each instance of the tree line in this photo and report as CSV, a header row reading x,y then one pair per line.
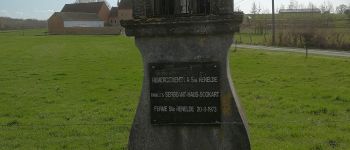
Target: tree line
x,y
7,23
326,28
325,7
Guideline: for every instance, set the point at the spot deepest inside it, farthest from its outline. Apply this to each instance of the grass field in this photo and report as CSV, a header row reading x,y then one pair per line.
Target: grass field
x,y
81,92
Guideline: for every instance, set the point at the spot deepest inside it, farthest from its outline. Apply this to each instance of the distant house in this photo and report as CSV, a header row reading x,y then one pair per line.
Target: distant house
x,y
99,8
113,17
82,18
124,12
300,11
61,20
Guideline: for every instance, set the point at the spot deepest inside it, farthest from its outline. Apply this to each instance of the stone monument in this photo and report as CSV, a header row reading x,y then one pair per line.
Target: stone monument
x,y
188,99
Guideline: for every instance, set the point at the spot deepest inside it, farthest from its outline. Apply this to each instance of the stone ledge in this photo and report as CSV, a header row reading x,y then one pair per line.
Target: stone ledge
x,y
193,25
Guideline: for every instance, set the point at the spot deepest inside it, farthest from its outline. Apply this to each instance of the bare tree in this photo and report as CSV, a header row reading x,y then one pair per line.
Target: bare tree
x,y
259,9
327,7
330,7
341,9
254,8
293,4
311,6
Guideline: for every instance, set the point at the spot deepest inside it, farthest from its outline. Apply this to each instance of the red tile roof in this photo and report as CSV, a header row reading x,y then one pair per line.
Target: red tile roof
x,y
84,7
77,16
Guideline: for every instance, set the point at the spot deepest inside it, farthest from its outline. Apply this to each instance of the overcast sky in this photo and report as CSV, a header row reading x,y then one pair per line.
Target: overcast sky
x,y
43,9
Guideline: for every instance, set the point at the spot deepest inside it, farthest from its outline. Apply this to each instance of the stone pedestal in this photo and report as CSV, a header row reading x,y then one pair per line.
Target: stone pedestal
x,y
190,42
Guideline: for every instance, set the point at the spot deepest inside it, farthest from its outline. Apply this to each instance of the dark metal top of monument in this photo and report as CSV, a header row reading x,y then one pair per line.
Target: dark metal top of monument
x,y
179,17
180,8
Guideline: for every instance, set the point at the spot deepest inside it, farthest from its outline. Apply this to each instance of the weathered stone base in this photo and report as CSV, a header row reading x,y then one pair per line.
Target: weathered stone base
x,y
231,134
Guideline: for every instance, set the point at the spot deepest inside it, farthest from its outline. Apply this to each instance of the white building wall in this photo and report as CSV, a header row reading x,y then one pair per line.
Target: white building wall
x,y
70,24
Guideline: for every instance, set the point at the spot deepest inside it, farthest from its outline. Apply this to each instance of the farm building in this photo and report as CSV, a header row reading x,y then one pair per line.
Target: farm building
x,y
113,17
82,18
122,12
99,8
125,12
59,21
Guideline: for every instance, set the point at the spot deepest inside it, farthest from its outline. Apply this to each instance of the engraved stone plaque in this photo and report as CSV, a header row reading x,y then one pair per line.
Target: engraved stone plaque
x,y
185,93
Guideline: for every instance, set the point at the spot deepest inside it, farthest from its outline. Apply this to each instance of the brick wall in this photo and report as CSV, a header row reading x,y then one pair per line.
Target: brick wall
x,y
87,31
55,24
104,13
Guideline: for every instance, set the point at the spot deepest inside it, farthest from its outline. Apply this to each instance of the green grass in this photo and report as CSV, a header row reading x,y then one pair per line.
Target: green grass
x,y
69,90
261,39
253,39
292,102
81,92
